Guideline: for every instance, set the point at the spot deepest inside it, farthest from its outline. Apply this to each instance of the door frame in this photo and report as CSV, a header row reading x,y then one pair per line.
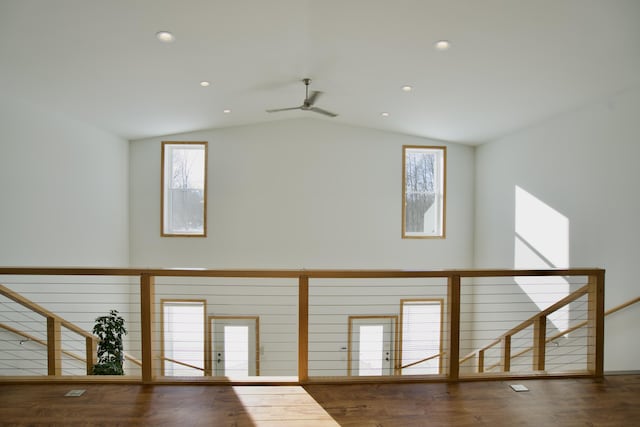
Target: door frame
x,y
210,331
393,318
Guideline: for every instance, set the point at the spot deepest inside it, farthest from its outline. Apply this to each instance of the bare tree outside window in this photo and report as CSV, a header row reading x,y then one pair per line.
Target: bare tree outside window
x,y
423,187
184,189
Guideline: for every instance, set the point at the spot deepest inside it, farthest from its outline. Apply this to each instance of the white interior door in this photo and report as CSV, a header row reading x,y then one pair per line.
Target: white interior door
x,y
234,346
372,345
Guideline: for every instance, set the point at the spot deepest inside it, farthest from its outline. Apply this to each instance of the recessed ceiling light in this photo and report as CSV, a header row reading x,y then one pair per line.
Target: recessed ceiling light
x,y
204,83
226,111
165,36
442,44
407,88
384,114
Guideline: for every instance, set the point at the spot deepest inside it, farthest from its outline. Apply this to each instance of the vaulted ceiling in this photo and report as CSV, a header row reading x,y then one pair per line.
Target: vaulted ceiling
x,y
510,63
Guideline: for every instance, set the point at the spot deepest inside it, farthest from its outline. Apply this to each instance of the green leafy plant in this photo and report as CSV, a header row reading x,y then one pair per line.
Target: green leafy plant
x,y
110,330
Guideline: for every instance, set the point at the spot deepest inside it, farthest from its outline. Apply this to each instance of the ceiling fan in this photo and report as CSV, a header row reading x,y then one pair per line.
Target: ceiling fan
x,y
308,103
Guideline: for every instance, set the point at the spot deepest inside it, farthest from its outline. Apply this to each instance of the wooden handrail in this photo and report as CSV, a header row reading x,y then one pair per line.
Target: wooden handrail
x,y
475,352
23,334
558,305
48,314
426,359
563,333
54,333
621,306
177,362
576,327
31,338
525,324
583,323
43,311
312,274
453,277
495,365
133,359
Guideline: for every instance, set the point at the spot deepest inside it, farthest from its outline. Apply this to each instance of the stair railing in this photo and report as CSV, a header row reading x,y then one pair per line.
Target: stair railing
x,y
480,353
55,324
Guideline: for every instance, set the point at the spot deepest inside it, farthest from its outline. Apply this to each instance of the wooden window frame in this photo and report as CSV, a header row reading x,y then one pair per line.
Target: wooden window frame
x,y
443,233
163,232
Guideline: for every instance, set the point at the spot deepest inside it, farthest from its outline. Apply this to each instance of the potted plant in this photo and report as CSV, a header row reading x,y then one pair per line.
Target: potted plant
x,y
110,330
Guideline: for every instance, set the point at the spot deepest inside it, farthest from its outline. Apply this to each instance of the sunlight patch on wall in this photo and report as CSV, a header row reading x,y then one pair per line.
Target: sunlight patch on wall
x,y
542,242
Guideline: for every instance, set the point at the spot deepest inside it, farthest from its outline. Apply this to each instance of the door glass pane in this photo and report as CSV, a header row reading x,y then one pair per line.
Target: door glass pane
x,y
234,346
371,350
236,350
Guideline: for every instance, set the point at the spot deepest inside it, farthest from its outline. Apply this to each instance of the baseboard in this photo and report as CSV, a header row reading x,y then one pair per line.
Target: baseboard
x,y
622,372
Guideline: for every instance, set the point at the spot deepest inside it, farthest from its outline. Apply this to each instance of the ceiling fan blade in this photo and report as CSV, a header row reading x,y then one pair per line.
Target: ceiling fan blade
x,y
307,104
276,110
321,111
313,98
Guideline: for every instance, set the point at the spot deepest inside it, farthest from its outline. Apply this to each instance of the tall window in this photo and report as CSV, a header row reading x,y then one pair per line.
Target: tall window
x,y
421,336
423,192
184,189
183,346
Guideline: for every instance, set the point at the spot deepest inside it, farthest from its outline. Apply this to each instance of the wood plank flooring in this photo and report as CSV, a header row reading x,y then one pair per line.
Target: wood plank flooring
x,y
612,401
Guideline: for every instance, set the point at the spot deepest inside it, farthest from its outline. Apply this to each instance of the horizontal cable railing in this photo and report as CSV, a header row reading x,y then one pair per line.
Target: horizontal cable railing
x,y
299,326
58,313
356,325
531,335
54,334
225,327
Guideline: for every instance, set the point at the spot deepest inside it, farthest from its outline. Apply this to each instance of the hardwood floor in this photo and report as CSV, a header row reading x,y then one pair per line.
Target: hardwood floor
x,y
613,401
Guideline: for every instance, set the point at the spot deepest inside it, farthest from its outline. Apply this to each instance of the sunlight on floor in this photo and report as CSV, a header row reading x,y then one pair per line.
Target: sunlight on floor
x,y
282,406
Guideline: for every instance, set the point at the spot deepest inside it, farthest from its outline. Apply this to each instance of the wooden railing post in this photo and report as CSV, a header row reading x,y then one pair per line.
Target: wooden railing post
x,y
54,347
147,304
481,361
506,353
91,353
208,348
539,343
303,328
454,326
595,325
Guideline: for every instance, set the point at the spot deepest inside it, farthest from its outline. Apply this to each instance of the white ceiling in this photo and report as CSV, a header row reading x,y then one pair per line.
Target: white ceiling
x,y
512,62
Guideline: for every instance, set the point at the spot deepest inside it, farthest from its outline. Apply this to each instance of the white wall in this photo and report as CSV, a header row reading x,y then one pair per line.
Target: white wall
x,y
63,191
301,193
583,165
63,202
